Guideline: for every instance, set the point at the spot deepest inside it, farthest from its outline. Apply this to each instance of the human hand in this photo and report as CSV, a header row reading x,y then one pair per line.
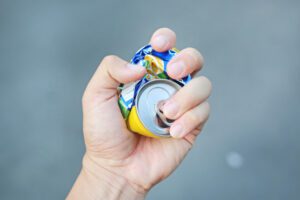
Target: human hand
x,y
119,163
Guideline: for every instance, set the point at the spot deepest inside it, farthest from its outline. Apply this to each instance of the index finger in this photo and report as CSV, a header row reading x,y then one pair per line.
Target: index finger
x,y
163,39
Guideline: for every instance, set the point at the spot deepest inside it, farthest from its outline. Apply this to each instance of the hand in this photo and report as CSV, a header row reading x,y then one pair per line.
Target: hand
x,y
119,163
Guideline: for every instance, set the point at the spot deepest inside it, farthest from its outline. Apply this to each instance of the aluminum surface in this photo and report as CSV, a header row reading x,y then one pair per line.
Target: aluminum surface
x,y
147,100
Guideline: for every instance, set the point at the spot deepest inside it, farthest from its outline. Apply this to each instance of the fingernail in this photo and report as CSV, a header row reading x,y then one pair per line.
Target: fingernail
x,y
160,41
176,130
176,69
170,108
138,68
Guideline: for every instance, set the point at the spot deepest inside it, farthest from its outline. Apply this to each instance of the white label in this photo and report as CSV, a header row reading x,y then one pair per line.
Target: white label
x,y
128,91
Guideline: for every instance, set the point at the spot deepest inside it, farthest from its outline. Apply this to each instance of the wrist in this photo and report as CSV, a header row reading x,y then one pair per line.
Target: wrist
x,y
95,182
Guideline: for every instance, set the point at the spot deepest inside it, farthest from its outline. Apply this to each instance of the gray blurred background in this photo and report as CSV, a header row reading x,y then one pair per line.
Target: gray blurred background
x,y
250,146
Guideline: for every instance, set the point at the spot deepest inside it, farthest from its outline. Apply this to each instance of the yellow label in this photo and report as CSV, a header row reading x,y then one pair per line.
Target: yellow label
x,y
135,124
157,64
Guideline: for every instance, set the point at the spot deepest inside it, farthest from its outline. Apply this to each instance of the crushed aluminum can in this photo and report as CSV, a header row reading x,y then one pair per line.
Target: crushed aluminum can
x,y
131,99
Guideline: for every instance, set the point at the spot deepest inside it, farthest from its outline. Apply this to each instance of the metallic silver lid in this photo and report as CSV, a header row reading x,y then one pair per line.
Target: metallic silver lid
x,y
150,99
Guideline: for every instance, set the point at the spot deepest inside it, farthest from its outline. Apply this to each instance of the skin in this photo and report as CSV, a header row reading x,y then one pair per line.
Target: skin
x,y
119,164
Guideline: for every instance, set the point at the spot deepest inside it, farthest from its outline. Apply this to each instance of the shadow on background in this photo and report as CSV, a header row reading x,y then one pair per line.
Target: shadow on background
x,y
250,146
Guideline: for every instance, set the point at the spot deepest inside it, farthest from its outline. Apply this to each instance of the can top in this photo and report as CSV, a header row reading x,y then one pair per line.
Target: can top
x,y
147,103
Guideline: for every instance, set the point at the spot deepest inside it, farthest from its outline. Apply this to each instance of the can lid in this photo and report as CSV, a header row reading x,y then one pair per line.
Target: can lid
x,y
149,101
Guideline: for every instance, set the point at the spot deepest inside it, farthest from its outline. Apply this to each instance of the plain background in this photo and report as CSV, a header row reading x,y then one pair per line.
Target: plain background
x,y
250,146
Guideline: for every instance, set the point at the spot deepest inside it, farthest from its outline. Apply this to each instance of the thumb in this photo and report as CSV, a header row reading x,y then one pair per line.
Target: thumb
x,y
111,72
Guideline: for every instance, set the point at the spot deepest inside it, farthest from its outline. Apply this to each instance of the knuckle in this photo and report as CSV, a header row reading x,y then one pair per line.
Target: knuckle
x,y
192,57
198,115
165,30
109,59
192,50
205,110
195,54
192,118
205,81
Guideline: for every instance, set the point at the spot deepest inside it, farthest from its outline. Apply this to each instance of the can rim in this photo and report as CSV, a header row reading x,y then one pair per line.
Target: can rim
x,y
177,86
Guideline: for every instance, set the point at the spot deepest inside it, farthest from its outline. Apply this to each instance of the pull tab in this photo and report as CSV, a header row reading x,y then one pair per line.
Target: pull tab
x,y
161,120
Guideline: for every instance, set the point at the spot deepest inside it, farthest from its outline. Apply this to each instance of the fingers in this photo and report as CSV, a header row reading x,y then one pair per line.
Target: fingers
x,y
190,121
191,136
111,72
163,39
187,61
188,108
191,95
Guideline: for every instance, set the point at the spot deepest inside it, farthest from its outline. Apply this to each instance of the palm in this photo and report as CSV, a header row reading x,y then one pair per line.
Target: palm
x,y
145,160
